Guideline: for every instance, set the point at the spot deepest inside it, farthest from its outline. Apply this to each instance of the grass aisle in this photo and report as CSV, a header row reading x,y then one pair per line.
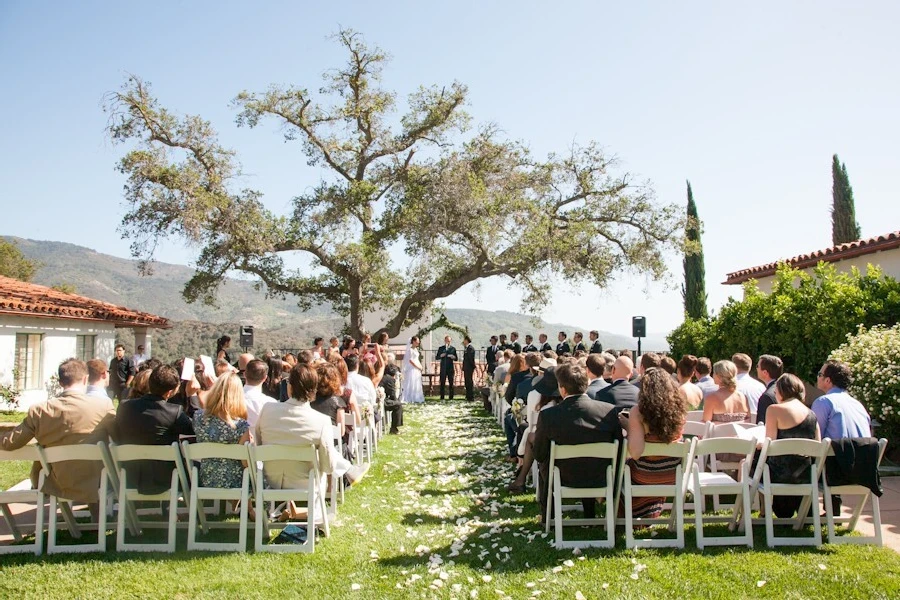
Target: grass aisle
x,y
432,520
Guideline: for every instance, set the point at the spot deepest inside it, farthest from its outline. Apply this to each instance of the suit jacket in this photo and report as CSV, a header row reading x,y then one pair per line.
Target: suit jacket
x,y
469,359
490,357
150,421
529,348
70,418
765,401
563,347
546,346
294,423
446,356
596,347
621,394
577,420
594,388
516,347
579,346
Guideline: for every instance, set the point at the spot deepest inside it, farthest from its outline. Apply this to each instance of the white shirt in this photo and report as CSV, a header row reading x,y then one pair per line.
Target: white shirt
x,y
363,387
255,400
751,388
137,359
500,372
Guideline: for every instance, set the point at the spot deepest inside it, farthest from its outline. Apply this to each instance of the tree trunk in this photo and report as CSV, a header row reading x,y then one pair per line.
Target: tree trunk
x,y
356,316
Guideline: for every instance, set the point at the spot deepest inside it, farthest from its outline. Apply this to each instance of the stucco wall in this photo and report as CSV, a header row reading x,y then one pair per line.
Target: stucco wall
x,y
888,260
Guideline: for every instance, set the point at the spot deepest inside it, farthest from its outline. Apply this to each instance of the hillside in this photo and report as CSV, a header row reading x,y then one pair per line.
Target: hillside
x,y
279,322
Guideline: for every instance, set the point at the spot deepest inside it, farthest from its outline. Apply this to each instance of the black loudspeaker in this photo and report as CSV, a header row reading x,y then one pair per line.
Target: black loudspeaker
x,y
638,327
246,336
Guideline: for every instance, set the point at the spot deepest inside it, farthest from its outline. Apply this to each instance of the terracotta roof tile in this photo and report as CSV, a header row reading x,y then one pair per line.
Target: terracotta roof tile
x,y
887,241
28,299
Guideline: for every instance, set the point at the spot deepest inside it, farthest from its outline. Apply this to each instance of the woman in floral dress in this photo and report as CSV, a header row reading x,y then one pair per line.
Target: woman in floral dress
x,y
224,421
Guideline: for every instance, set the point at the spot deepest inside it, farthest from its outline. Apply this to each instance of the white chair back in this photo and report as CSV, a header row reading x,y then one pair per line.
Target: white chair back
x,y
851,521
22,495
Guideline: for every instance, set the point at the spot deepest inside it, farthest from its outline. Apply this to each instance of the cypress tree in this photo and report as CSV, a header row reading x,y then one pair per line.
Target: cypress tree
x,y
844,227
694,289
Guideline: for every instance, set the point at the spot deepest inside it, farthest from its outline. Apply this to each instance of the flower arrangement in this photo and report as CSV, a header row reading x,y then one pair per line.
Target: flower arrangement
x,y
518,411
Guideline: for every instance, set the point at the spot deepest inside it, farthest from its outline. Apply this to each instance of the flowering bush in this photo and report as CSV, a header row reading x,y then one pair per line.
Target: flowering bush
x,y
874,359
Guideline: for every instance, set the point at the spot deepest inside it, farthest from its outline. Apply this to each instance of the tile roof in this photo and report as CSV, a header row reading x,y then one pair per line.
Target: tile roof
x,y
28,299
887,241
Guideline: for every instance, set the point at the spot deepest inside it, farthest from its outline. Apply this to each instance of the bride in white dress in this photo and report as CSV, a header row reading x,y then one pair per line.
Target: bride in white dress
x,y
413,393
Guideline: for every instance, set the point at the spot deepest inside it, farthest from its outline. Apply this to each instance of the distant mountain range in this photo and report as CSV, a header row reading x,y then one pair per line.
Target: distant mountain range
x,y
279,323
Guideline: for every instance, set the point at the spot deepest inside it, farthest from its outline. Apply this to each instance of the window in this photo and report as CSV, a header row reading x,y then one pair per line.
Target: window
x,y
28,361
84,347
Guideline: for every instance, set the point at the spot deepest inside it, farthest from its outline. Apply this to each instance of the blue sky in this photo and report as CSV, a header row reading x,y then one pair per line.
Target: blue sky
x,y
748,101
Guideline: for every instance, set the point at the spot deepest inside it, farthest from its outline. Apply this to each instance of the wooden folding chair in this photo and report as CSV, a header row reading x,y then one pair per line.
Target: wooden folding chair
x,y
853,490
23,495
178,487
556,492
196,452
675,490
702,484
313,493
60,454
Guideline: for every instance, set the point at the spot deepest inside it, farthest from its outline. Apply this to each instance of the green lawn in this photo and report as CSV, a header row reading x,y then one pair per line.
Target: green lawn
x,y
12,417
433,520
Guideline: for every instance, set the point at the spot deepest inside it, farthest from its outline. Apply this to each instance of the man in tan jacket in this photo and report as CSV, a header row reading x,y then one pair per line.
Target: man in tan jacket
x,y
71,418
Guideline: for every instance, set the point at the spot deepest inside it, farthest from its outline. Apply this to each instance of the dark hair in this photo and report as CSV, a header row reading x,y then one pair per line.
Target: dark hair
x,y
330,383
687,365
594,332
517,364
771,365
790,386
661,406
149,364
304,382
513,333
667,364
318,339
493,337
220,343
256,371
383,338
704,366
595,364
650,360
549,354
366,369
563,333
305,356
139,385
414,338
122,346
272,386
533,359
578,335
467,339
352,362
96,369
742,361
71,371
572,377
838,373
528,336
164,379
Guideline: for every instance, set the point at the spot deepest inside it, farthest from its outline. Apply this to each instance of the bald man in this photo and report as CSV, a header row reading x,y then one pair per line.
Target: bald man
x,y
620,393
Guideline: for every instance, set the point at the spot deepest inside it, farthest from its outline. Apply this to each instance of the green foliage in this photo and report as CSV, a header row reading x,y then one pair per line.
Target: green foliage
x,y
844,227
874,359
65,288
14,264
802,320
9,393
694,290
464,204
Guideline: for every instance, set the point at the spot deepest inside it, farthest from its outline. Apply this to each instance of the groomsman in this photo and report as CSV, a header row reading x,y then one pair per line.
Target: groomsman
x,y
514,344
529,345
545,345
490,355
563,347
596,346
503,344
468,367
579,344
446,356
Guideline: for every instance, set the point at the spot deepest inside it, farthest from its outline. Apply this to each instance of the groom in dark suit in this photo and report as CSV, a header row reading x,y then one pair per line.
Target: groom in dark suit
x,y
468,367
446,357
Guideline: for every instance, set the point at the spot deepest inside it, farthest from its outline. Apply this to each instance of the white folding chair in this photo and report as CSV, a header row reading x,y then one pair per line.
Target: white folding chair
x,y
853,490
313,493
59,454
702,484
815,451
362,432
556,492
23,494
675,490
717,464
210,450
178,487
336,483
695,415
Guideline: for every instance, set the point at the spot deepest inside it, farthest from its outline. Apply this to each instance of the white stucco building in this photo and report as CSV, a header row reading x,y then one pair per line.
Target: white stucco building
x,y
883,251
40,327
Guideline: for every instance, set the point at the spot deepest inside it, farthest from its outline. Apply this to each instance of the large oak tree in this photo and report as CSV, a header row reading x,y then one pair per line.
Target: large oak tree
x,y
464,203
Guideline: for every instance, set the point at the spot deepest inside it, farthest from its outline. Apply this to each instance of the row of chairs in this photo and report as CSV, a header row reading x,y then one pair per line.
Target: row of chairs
x,y
184,492
691,477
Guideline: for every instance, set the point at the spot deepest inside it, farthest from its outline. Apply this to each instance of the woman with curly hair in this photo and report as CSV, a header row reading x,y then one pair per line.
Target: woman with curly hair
x,y
658,417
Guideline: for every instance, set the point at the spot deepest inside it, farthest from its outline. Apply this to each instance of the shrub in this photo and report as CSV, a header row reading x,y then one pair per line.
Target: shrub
x,y
874,359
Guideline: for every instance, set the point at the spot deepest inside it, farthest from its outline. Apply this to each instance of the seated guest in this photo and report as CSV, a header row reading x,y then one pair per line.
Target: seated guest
x,y
151,420
273,387
346,392
73,417
768,369
649,360
692,395
289,359
526,385
727,405
140,385
575,420
840,415
789,418
544,395
328,400
501,372
306,357
224,421
610,361
149,364
703,372
188,394
596,366
222,366
668,364
518,371
658,417
751,388
256,374
295,423
620,393
361,385
98,378
392,404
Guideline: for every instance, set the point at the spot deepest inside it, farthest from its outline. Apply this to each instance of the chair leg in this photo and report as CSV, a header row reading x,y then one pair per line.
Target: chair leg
x,y
11,522
69,517
748,524
194,505
121,516
858,510
876,519
557,503
39,525
698,515
770,524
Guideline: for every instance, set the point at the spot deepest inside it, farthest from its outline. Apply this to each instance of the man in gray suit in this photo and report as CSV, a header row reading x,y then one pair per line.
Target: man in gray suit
x,y
595,367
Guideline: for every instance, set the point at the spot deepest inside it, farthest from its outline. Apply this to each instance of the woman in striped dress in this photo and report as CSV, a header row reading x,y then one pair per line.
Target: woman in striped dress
x,y
658,417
